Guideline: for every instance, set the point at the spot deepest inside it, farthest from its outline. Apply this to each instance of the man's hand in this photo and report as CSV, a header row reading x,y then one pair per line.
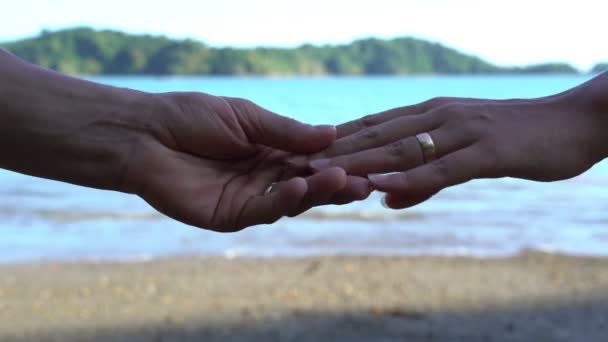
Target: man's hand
x,y
209,160
200,159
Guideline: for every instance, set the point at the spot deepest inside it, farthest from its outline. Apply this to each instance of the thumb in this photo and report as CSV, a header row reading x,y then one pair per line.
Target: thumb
x,y
267,128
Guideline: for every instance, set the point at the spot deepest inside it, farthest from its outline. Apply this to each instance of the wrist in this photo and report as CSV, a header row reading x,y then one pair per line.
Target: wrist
x,y
119,134
588,106
598,92
66,129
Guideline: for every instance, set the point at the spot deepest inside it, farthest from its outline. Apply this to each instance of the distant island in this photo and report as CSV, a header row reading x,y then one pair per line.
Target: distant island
x,y
600,68
91,52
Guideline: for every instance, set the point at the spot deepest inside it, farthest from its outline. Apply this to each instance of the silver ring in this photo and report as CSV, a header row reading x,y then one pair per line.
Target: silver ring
x,y
269,189
428,147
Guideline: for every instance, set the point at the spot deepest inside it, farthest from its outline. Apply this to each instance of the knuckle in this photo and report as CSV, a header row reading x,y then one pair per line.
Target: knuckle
x,y
402,179
453,109
482,118
367,121
439,169
448,112
359,141
346,163
241,102
396,148
243,107
369,133
439,101
477,123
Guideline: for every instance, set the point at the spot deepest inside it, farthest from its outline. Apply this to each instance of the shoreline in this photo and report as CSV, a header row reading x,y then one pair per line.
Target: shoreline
x,y
531,296
237,254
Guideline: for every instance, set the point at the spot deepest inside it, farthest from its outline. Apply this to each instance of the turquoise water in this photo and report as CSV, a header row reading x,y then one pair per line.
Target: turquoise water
x,y
46,220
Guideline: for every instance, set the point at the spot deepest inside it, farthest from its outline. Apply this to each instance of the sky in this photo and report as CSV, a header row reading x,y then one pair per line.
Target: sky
x,y
516,32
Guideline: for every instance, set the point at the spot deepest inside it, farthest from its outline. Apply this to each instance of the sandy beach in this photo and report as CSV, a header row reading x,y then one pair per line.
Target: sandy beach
x,y
530,297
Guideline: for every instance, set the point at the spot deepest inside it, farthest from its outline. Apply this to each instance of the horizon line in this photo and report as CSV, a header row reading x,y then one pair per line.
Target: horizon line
x,y
42,31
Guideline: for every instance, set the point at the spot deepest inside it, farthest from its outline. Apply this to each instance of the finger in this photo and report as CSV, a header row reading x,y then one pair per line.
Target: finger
x,y
393,201
397,156
370,137
356,189
321,188
428,179
381,134
267,128
265,209
351,127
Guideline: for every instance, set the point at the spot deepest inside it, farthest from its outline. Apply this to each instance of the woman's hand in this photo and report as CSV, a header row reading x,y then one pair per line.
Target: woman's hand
x,y
209,160
543,139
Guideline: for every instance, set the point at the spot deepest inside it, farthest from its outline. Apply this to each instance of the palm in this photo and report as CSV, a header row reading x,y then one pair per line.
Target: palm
x,y
211,194
209,165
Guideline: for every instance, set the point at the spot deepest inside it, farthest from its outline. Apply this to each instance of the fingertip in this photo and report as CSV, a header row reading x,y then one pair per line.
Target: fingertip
x,y
295,187
270,207
340,176
388,201
358,187
333,178
290,195
327,130
403,201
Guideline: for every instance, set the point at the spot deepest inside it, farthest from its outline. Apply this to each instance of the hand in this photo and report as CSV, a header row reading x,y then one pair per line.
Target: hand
x,y
544,139
210,159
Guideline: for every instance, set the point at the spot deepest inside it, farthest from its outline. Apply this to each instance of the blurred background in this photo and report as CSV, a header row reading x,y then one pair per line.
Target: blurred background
x,y
489,260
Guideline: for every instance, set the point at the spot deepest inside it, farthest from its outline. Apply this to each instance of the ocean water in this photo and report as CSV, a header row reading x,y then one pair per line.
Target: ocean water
x,y
47,220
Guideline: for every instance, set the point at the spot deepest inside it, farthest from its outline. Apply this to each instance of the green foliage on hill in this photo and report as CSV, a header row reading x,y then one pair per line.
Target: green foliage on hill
x,y
556,68
598,68
86,51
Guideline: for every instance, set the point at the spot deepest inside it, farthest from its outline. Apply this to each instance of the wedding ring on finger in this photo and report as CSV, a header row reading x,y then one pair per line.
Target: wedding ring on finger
x,y
269,189
427,146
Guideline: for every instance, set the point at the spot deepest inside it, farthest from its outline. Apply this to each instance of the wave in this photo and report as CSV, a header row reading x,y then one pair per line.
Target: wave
x,y
317,214
76,215
81,215
247,253
362,215
28,193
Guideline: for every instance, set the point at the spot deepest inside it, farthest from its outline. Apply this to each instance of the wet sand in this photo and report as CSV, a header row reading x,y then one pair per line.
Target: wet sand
x,y
531,297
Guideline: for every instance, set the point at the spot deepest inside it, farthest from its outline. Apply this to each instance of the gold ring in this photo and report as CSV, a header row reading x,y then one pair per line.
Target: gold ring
x,y
428,147
269,189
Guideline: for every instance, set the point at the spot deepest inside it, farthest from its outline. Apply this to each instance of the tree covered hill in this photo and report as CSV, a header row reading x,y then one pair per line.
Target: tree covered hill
x,y
598,68
87,51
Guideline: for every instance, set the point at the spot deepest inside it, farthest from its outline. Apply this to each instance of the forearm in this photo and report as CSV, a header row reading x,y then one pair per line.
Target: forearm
x,y
58,127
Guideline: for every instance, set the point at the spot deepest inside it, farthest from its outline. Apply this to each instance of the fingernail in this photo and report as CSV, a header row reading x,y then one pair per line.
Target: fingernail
x,y
377,179
320,164
383,202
